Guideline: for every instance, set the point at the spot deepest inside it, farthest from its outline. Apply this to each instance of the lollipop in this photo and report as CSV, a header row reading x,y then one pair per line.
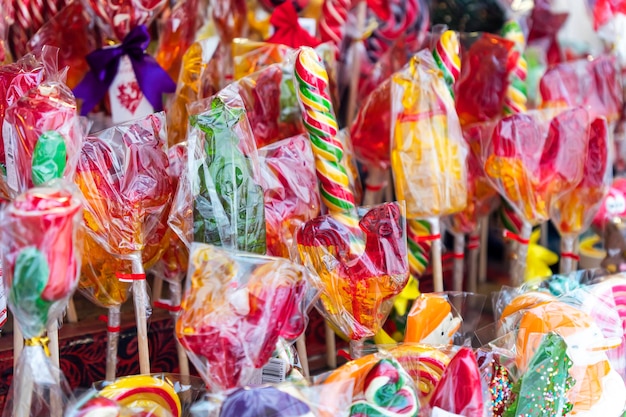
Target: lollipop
x,y
381,387
40,260
145,393
460,391
432,321
572,213
427,149
425,364
123,177
358,287
333,20
516,97
118,19
254,402
236,309
532,172
290,199
227,200
546,381
43,136
499,380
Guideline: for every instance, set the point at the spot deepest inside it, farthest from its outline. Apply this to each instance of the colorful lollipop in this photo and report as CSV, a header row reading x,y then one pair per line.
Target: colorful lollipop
x,y
41,260
427,148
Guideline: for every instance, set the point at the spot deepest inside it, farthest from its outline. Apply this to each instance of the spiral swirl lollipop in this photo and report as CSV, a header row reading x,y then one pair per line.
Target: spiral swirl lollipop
x,y
516,95
320,123
333,20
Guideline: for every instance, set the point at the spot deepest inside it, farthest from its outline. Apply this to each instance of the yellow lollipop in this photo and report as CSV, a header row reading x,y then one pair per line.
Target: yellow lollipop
x,y
147,393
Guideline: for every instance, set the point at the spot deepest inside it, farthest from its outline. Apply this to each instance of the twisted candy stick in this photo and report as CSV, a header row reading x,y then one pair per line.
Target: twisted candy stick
x,y
21,29
333,20
419,236
319,120
446,54
514,102
36,9
516,94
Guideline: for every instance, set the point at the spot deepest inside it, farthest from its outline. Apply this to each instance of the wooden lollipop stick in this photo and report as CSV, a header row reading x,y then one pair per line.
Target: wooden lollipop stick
x,y
459,250
484,244
18,342
183,361
53,343
72,317
331,346
302,354
140,299
436,256
375,186
157,288
113,336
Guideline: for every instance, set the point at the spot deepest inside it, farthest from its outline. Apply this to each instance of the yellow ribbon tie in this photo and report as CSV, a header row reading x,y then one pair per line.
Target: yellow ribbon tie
x,y
39,341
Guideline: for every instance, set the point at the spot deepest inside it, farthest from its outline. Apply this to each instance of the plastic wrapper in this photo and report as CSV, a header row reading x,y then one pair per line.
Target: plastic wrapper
x,y
194,83
591,83
271,103
546,381
72,31
250,57
370,131
178,32
572,213
41,260
381,386
236,308
220,201
485,67
460,391
162,395
122,173
18,78
230,18
443,318
427,148
117,18
43,134
425,364
495,369
432,320
286,399
596,385
361,270
290,189
533,159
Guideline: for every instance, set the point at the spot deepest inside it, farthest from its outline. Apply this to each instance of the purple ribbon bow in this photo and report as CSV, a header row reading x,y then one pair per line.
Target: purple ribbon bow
x,y
152,79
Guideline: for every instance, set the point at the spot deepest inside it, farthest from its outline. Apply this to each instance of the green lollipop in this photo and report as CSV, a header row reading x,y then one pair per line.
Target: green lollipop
x,y
229,209
542,390
49,157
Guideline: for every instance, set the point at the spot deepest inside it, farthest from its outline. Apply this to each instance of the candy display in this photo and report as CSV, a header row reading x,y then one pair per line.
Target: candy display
x,y
238,156
235,309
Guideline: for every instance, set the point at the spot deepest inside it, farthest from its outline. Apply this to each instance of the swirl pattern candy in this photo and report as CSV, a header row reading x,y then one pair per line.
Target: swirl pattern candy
x,y
388,392
320,122
516,96
424,363
333,20
147,393
446,54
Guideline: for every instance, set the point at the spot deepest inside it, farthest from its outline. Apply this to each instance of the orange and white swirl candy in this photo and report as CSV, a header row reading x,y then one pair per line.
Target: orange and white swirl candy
x,y
146,393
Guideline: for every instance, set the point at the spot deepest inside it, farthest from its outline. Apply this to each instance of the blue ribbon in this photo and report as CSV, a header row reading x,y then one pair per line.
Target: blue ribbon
x,y
152,79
